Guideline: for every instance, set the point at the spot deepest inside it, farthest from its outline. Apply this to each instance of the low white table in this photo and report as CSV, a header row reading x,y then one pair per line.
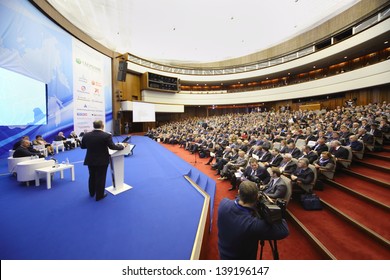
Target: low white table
x,y
51,170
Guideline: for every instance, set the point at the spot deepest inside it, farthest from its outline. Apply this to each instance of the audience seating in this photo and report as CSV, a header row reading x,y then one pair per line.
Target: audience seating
x,y
346,163
359,154
41,148
309,187
329,174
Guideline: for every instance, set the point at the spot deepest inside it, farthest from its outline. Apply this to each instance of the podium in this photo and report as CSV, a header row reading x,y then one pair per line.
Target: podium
x,y
117,165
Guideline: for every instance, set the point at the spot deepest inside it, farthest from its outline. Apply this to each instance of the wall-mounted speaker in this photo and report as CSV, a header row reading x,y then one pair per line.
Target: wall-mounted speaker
x,y
122,69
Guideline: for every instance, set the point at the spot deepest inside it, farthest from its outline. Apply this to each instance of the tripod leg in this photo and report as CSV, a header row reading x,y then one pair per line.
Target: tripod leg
x,y
261,249
274,248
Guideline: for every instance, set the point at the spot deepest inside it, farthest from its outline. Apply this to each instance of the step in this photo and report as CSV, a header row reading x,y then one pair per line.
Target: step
x,y
379,164
381,155
359,187
339,237
367,214
370,175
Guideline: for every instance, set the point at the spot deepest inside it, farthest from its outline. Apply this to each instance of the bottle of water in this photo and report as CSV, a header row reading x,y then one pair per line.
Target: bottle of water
x,y
67,161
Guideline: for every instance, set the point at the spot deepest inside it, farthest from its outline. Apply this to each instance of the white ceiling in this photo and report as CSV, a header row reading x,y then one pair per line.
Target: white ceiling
x,y
196,31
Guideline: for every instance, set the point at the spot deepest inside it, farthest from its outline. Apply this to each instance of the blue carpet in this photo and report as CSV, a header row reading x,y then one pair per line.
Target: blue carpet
x,y
157,219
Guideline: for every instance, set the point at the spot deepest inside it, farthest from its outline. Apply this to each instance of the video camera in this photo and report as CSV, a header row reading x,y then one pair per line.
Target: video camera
x,y
273,211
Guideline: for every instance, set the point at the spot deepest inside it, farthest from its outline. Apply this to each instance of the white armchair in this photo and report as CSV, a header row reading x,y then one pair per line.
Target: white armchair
x,y
58,145
12,162
41,148
25,170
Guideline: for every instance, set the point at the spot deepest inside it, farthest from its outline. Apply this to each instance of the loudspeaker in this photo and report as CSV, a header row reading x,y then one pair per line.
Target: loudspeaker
x,y
122,69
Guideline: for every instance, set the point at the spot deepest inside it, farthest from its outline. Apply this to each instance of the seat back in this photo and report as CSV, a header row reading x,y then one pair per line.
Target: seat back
x,y
276,145
12,162
309,187
26,170
346,163
329,174
359,154
287,181
41,148
58,145
300,143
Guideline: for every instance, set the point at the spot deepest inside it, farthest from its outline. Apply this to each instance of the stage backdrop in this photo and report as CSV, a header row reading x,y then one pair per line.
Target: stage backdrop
x,y
78,78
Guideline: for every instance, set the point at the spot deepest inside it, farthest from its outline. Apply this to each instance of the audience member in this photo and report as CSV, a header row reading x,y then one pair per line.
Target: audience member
x,y
276,188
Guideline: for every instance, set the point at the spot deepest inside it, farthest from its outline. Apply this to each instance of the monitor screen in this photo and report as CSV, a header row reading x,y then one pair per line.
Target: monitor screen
x,y
23,100
144,112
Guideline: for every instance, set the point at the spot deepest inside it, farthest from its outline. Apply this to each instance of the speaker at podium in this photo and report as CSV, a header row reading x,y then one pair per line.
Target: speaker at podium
x,y
117,164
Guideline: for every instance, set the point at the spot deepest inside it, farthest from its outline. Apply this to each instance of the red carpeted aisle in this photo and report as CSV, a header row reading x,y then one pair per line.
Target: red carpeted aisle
x,y
294,247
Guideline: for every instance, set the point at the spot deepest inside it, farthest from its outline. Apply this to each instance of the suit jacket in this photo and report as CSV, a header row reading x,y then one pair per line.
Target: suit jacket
x,y
311,156
296,153
265,157
367,138
320,148
276,189
275,161
306,176
340,153
25,152
289,168
356,146
260,173
97,143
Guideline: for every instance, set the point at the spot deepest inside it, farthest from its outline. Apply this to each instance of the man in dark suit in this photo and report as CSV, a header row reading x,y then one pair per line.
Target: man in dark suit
x,y
320,146
254,172
355,144
265,156
275,160
97,158
309,154
303,176
24,150
276,188
294,151
287,166
338,151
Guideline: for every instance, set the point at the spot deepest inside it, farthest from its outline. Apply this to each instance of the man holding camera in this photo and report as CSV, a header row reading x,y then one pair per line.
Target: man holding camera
x,y
240,227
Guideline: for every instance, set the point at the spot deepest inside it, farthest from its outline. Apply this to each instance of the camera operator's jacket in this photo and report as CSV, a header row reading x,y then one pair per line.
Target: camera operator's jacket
x,y
239,231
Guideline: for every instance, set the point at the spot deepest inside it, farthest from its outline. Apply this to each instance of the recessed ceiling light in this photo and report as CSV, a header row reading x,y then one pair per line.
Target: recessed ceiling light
x,y
386,42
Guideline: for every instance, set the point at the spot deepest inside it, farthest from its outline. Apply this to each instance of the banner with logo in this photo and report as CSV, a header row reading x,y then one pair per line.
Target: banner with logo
x,y
88,87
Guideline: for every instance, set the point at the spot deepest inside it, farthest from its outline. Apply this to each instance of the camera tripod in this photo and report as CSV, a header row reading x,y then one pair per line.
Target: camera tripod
x,y
274,248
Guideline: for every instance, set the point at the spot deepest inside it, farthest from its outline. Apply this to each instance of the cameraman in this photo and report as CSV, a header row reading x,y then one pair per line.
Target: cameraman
x,y
240,228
